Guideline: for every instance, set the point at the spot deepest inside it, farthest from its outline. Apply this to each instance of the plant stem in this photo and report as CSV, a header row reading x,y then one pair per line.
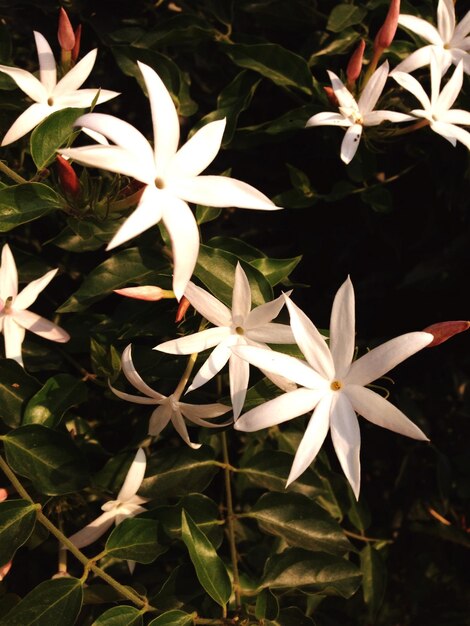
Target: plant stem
x,y
230,522
11,173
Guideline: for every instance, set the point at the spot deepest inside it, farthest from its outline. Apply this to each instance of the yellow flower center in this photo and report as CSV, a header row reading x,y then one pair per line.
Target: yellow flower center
x,y
239,330
50,101
8,303
336,385
159,183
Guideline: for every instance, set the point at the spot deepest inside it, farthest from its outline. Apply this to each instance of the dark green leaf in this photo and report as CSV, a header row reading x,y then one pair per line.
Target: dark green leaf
x,y
81,235
267,605
378,198
48,458
16,387
17,521
56,601
119,616
210,569
173,618
49,404
291,616
51,134
276,270
373,578
344,15
26,202
135,540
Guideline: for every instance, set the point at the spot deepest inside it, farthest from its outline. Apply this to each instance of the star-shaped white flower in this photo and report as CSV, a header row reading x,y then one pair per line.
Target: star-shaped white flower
x,y
169,408
333,386
449,41
239,326
15,319
442,119
355,115
48,94
171,176
127,504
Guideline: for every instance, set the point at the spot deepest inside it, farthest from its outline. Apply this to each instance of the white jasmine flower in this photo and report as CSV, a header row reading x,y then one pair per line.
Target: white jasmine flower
x,y
15,319
238,326
48,94
442,119
168,408
333,386
172,177
356,115
450,41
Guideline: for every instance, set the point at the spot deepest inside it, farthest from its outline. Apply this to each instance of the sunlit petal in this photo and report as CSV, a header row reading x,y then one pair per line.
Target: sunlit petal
x,y
446,19
134,477
216,361
410,83
271,333
28,120
343,95
350,143
221,191
241,298
325,118
180,427
77,75
198,152
132,398
205,411
40,326
346,438
29,294
84,98
450,91
461,31
93,530
197,342
8,275
264,313
421,27
208,306
134,377
342,328
373,89
239,374
47,66
14,337
452,133
374,118
27,82
416,59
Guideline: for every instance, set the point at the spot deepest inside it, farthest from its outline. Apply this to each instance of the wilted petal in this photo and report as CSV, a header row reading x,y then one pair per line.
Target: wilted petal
x,y
446,19
28,120
346,439
212,366
132,398
159,419
198,152
14,336
326,118
342,328
134,477
421,27
8,274
208,306
382,359
27,82
180,427
76,76
239,374
203,411
417,59
241,297
47,66
373,89
29,294
197,342
350,143
410,83
312,439
40,326
381,412
93,530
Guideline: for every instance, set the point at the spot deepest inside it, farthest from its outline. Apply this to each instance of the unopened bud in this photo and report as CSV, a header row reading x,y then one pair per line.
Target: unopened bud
x,y
182,308
387,32
354,68
145,292
65,33
330,94
442,331
76,48
68,179
4,569
3,494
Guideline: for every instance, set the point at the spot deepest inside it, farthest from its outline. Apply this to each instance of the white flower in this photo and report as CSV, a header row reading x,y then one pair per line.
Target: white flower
x,y
14,316
239,326
449,41
127,504
48,94
333,386
442,119
355,115
169,408
172,176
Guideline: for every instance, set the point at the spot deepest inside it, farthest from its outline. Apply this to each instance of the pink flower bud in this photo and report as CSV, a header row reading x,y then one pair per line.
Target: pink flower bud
x,y
330,94
354,68
146,292
4,569
3,494
68,179
443,331
182,308
76,48
65,33
387,32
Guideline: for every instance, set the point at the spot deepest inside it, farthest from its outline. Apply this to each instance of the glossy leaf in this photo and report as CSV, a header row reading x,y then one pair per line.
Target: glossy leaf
x,y
120,616
267,605
26,202
210,569
343,16
135,540
49,404
173,618
276,270
374,578
16,387
51,134
17,521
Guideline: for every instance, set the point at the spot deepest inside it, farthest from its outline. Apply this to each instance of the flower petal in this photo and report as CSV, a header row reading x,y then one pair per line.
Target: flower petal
x,y
346,439
342,328
313,438
410,83
198,152
271,333
208,306
198,342
344,96
8,275
422,28
374,118
76,76
134,377
47,66
27,82
40,326
221,191
446,19
382,359
452,133
110,158
373,89
29,294
93,530
28,120
450,91
264,313
417,59
461,31
134,477
159,419
216,361
241,297
456,116
239,374
13,334
129,397
350,143
180,427
84,98
205,411
325,118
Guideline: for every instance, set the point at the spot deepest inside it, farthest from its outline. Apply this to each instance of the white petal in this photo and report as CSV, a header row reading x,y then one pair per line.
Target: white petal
x,y
76,76
410,83
417,59
147,214
446,19
342,328
350,143
239,374
344,96
28,120
421,27
381,412
166,128
313,438
205,411
47,66
373,89
134,377
311,342
84,98
377,117
198,152
110,158
93,530
450,91
328,119
452,133
216,361
27,82
180,427
159,419
271,333
134,477
8,275
456,116
198,342
29,294
382,359
346,439
462,30
184,234
208,306
40,326
131,397
14,336
278,410
221,191
280,381
264,313
241,297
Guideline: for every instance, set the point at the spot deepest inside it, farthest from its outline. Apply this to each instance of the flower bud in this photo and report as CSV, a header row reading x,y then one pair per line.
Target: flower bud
x,y
354,68
65,33
330,94
182,308
442,331
145,292
68,179
76,48
387,32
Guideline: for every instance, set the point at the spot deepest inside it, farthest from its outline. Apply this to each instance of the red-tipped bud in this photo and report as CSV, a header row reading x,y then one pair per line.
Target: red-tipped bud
x,y
76,48
3,494
182,308
330,94
387,32
354,68
442,331
146,292
67,178
65,33
4,569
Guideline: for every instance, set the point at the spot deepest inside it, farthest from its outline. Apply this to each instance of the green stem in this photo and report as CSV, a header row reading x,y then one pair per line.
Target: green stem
x,y
230,522
349,533
11,174
185,377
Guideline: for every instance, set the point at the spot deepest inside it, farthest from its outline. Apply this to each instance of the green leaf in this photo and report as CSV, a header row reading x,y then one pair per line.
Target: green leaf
x,y
26,202
47,457
276,270
210,569
281,66
267,605
16,387
51,134
173,618
290,616
343,16
130,265
81,235
17,521
378,198
373,579
120,616
300,522
56,601
135,540
316,572
49,404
